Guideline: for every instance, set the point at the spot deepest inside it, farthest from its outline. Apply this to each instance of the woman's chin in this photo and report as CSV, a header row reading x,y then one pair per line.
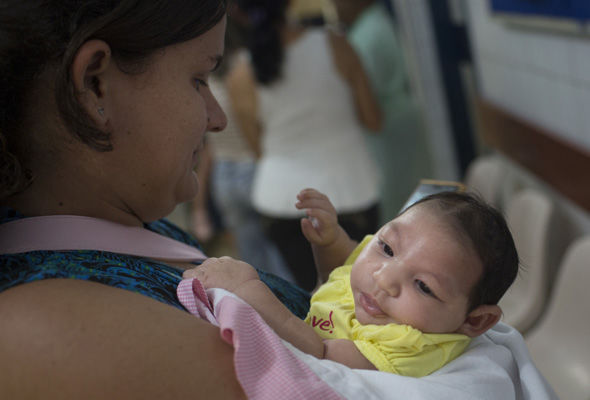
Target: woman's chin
x,y
189,190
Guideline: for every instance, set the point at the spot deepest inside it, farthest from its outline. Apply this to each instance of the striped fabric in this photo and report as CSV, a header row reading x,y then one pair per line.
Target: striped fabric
x,y
265,368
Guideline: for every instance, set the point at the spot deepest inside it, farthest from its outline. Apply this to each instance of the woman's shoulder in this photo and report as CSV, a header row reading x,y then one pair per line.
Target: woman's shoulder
x,y
103,340
141,275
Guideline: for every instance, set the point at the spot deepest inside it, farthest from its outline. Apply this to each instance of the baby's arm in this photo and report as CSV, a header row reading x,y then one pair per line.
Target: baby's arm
x,y
242,279
330,244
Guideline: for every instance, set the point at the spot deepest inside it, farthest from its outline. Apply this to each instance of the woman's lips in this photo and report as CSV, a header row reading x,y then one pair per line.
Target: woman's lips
x,y
195,158
370,306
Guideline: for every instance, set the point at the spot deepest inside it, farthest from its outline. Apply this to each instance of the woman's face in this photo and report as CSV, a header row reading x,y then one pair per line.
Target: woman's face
x,y
158,119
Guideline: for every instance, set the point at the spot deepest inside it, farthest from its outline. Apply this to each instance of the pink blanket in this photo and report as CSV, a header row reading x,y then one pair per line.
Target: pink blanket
x,y
265,368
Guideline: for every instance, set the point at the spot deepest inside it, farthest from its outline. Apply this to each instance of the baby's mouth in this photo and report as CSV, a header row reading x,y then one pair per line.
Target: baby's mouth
x,y
370,306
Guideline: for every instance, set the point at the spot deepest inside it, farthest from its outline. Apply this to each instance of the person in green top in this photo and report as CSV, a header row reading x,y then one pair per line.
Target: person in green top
x,y
400,148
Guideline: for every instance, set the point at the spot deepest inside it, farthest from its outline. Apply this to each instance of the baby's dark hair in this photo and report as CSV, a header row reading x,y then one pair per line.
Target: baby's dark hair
x,y
490,237
37,36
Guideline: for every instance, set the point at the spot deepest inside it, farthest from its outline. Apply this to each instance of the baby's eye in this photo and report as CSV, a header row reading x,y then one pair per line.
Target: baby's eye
x,y
386,249
424,288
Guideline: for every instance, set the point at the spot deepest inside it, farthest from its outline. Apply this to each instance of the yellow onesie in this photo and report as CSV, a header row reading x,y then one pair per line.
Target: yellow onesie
x,y
395,348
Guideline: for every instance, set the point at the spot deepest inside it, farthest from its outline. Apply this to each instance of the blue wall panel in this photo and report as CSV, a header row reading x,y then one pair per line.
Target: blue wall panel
x,y
578,10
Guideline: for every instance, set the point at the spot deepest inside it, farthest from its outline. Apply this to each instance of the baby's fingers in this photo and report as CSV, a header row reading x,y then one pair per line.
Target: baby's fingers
x,y
310,231
311,194
314,200
190,273
200,272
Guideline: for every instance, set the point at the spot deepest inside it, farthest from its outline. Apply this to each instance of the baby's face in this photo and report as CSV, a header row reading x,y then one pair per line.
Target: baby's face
x,y
415,271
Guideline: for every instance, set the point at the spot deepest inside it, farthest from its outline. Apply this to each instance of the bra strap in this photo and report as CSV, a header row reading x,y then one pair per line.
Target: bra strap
x,y
72,232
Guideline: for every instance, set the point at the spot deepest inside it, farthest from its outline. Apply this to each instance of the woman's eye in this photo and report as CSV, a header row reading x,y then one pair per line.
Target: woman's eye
x,y
424,288
199,83
386,249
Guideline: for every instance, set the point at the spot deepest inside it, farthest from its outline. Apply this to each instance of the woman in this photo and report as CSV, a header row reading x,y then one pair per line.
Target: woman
x,y
303,102
103,108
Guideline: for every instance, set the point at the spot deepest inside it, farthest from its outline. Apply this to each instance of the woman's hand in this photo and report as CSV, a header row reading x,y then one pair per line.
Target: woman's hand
x,y
321,227
225,273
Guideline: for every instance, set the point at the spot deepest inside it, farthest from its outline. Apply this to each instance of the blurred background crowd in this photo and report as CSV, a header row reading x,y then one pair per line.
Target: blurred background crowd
x,y
318,95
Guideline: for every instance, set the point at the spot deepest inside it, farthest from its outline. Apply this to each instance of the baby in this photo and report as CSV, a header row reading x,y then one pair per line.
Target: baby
x,y
406,300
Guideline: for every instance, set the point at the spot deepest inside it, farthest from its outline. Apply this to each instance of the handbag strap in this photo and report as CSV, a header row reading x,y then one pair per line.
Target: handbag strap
x,y
72,232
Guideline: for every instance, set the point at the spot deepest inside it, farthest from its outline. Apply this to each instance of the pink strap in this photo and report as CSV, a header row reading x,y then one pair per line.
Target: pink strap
x,y
72,232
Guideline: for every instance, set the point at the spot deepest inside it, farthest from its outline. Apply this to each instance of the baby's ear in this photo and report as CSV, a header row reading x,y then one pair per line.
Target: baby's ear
x,y
480,320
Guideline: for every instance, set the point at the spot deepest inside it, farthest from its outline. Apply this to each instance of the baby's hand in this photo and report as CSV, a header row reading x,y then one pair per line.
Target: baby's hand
x,y
321,226
224,272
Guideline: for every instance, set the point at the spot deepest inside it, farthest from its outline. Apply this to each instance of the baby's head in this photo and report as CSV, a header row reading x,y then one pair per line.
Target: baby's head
x,y
441,266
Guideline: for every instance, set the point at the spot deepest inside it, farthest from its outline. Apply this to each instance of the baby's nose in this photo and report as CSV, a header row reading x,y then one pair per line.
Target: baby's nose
x,y
387,281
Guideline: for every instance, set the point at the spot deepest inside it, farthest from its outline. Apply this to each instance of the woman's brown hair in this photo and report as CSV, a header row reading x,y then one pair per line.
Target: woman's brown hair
x,y
39,35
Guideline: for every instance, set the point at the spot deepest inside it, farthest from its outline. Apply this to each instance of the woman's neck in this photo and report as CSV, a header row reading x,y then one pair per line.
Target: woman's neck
x,y
60,194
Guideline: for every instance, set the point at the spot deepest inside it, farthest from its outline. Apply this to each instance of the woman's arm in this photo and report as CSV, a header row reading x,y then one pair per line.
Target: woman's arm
x,y
71,339
241,87
350,68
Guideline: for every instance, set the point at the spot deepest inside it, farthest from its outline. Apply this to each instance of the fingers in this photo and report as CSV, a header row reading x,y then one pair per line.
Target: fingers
x,y
191,273
320,226
311,198
310,194
320,219
309,231
223,272
209,264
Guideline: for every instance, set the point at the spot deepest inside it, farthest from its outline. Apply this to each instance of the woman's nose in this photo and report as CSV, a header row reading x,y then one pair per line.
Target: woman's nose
x,y
216,119
386,280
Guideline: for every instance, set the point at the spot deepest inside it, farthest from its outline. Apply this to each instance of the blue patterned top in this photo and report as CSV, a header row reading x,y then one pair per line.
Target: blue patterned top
x,y
137,274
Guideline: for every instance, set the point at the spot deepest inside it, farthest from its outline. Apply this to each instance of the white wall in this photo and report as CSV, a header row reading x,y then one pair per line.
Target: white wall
x,y
541,76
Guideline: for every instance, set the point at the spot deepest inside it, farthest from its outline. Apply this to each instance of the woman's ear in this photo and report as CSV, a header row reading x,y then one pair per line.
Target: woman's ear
x,y
90,63
480,320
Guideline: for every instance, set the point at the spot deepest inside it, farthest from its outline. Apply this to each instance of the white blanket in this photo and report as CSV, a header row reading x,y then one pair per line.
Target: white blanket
x,y
495,366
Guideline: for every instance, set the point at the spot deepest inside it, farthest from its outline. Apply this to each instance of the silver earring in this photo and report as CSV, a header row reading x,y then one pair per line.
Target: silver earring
x,y
101,111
